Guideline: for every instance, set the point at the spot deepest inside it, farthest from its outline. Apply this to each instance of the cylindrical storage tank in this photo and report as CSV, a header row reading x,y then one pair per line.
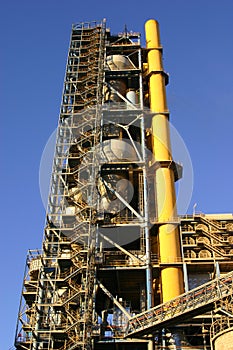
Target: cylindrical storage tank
x,y
119,62
224,341
111,95
131,97
120,183
115,150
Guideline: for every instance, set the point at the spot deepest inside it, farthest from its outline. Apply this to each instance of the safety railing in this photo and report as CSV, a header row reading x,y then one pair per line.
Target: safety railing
x,y
183,307
220,325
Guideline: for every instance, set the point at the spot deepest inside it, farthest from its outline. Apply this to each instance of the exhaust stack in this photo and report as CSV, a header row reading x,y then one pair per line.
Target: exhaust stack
x,y
169,240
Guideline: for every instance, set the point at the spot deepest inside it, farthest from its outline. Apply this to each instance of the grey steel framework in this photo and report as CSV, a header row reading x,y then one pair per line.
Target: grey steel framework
x,y
95,281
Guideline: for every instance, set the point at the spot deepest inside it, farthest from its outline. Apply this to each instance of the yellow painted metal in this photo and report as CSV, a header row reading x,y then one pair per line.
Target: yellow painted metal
x,y
169,239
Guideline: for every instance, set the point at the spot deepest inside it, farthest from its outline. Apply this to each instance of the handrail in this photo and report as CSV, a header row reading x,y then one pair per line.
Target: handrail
x,y
211,222
211,234
220,325
186,305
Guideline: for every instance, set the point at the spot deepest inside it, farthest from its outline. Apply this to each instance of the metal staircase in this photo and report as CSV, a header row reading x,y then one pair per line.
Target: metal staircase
x,y
62,304
210,234
83,88
212,223
184,307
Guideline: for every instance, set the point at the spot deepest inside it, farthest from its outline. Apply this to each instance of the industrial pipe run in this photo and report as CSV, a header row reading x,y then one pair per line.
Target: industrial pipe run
x,y
165,197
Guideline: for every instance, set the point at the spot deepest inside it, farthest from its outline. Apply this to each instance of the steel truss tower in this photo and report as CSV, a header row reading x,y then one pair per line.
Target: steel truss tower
x,y
119,269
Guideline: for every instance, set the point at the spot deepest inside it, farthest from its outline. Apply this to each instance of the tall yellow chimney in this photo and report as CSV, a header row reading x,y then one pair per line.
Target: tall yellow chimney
x,y
169,239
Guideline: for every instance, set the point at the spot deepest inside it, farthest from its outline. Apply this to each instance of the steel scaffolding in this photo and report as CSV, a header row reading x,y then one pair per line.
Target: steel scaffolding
x,y
96,282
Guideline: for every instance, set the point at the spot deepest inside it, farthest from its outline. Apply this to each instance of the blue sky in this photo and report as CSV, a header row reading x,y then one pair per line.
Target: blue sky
x,y
198,54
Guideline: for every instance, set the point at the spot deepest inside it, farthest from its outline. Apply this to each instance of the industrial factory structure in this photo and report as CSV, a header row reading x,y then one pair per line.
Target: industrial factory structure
x,y
119,269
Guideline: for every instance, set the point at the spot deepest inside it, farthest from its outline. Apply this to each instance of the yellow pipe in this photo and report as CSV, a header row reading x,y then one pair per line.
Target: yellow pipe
x,y
169,240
